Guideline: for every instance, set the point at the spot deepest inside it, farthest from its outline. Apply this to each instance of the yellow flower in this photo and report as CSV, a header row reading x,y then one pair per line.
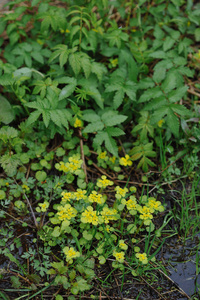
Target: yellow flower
x,y
70,254
25,187
155,205
121,193
142,257
102,155
78,123
66,196
89,216
95,197
114,62
112,159
80,194
125,161
131,204
122,245
161,122
145,213
66,212
104,182
109,214
119,256
44,206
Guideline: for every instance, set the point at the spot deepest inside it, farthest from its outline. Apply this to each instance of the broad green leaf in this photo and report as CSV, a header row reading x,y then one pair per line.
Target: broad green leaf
x,y
111,145
68,89
168,43
93,127
150,93
170,82
112,119
176,95
6,111
172,122
113,131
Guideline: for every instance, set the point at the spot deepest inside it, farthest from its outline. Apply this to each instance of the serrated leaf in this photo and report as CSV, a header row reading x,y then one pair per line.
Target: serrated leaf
x,y
159,114
176,95
168,43
172,122
170,82
150,93
112,120
74,61
6,111
90,116
98,139
38,57
113,131
93,127
158,54
118,98
180,109
68,89
111,144
46,117
34,116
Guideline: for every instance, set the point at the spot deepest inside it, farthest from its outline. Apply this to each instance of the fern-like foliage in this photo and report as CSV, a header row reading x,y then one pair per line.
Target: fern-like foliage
x,y
51,109
103,125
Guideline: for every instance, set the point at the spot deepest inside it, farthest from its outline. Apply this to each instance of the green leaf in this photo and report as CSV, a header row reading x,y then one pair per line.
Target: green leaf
x,y
34,116
93,127
38,57
172,122
158,54
74,60
168,43
197,34
69,89
6,111
113,131
176,95
150,93
110,144
180,109
110,118
90,116
118,98
170,82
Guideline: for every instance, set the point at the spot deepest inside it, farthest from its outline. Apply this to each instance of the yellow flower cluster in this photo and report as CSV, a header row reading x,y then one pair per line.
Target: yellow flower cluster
x,y
132,205
78,123
161,122
155,205
122,245
44,206
70,254
104,182
66,212
119,256
95,197
103,155
145,213
120,193
89,216
80,194
66,196
125,161
108,214
72,166
142,258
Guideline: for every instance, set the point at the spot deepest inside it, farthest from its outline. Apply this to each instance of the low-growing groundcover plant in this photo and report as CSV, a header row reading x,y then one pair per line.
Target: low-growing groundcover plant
x,y
93,97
